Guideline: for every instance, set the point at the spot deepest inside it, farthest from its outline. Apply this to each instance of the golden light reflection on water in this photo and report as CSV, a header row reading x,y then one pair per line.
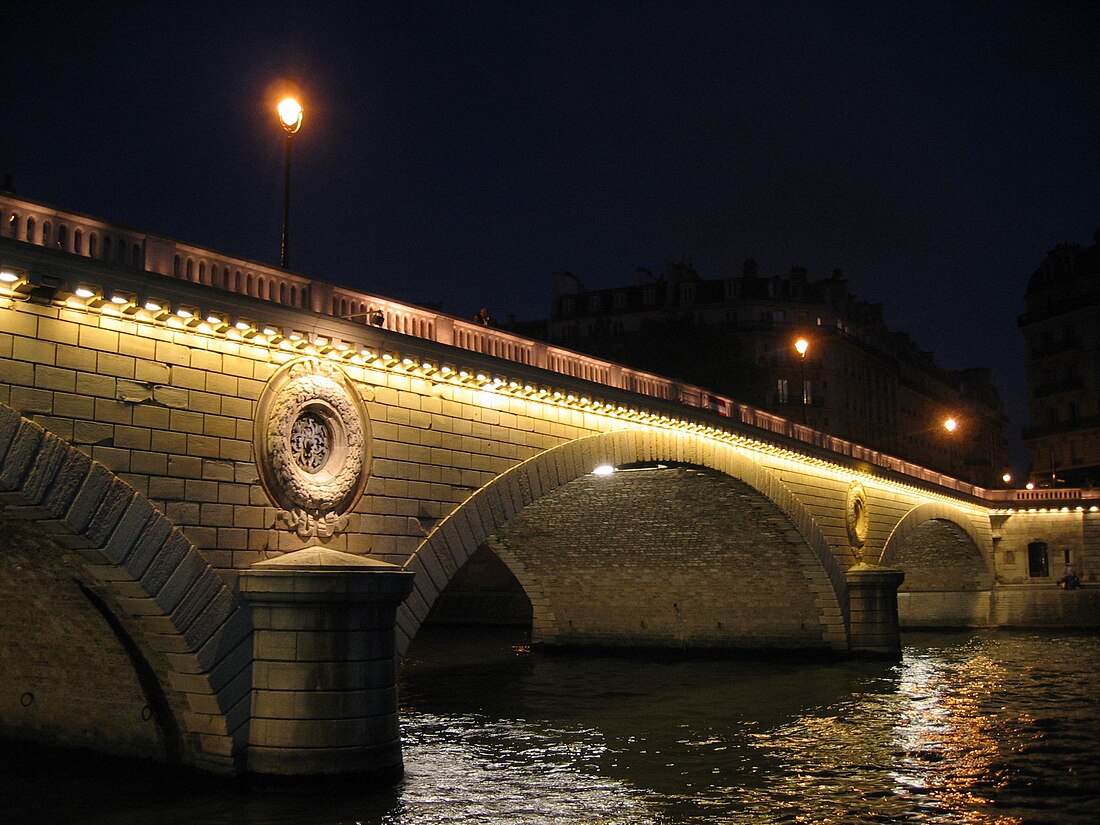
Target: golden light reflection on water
x,y
948,744
936,742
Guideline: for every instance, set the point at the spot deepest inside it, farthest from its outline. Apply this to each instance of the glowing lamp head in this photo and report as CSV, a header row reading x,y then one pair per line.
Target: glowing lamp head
x,y
1007,478
290,115
801,346
951,424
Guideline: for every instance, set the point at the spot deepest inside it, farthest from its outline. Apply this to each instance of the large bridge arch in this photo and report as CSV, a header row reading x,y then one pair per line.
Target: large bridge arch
x,y
105,574
446,549
948,568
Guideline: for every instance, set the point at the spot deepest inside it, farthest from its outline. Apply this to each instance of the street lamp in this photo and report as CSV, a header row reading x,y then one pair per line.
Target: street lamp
x,y
802,346
951,424
290,116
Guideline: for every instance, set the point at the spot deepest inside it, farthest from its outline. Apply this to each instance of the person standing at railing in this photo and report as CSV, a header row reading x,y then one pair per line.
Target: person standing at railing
x,y
483,318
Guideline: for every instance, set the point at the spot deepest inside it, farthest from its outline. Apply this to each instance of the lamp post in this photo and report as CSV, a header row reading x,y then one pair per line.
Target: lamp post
x,y
290,116
802,346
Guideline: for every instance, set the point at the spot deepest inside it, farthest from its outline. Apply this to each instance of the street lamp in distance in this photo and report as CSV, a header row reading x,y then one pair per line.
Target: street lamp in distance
x,y
802,346
290,116
951,424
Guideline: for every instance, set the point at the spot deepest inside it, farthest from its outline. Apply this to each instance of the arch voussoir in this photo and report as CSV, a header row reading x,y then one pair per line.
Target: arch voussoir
x,y
172,606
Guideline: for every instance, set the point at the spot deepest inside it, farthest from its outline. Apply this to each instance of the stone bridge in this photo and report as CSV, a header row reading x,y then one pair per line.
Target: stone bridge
x,y
228,508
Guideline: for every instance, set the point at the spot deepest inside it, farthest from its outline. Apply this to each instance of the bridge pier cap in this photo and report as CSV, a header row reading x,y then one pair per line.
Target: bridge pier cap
x,y
324,676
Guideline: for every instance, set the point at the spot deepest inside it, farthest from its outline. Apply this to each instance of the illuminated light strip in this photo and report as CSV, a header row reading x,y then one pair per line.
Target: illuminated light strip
x,y
190,319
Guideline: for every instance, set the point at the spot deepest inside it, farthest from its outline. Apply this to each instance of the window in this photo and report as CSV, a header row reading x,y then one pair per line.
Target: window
x,y
107,249
78,242
92,248
594,303
781,391
62,236
46,232
13,225
619,300
30,229
649,296
175,260
1038,565
807,392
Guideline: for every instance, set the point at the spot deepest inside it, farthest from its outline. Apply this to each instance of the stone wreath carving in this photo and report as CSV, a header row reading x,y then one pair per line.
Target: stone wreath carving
x,y
856,516
312,440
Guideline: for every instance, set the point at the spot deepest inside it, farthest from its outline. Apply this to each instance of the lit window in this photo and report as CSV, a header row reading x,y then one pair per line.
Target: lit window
x,y
781,391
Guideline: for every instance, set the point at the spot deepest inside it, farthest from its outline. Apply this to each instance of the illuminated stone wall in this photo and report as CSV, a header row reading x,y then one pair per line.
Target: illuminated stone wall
x,y
171,410
668,557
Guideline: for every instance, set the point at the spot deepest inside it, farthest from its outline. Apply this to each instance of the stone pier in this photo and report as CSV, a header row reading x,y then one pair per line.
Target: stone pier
x,y
324,695
873,605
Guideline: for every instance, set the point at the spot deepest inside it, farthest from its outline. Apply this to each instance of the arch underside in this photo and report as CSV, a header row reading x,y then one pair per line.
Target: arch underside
x,y
119,637
948,579
711,551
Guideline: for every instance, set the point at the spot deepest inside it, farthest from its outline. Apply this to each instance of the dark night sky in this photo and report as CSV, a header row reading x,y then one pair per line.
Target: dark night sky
x,y
460,152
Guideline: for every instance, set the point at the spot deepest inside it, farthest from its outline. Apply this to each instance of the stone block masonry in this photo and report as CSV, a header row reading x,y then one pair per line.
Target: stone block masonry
x,y
668,557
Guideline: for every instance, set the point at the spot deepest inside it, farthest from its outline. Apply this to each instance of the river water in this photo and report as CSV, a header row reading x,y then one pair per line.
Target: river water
x,y
977,727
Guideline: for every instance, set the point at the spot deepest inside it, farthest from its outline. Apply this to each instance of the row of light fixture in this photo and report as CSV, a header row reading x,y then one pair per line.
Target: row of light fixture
x,y
185,317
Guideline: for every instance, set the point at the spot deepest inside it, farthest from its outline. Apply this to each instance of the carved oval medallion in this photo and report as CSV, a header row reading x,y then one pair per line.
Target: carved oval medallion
x,y
856,515
312,440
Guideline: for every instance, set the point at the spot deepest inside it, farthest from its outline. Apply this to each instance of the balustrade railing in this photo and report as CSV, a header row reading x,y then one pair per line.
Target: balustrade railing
x,y
77,234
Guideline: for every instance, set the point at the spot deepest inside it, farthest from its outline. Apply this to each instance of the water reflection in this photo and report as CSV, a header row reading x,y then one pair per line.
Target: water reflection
x,y
983,728
949,735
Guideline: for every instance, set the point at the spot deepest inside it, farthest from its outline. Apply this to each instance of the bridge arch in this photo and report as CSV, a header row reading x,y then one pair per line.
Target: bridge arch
x,y
911,522
449,545
948,572
107,575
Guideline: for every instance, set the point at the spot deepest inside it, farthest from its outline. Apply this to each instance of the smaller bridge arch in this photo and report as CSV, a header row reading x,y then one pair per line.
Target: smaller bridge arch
x,y
450,544
947,564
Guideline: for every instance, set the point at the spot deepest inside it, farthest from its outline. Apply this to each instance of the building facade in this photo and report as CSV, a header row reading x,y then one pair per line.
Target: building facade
x,y
857,379
1062,330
